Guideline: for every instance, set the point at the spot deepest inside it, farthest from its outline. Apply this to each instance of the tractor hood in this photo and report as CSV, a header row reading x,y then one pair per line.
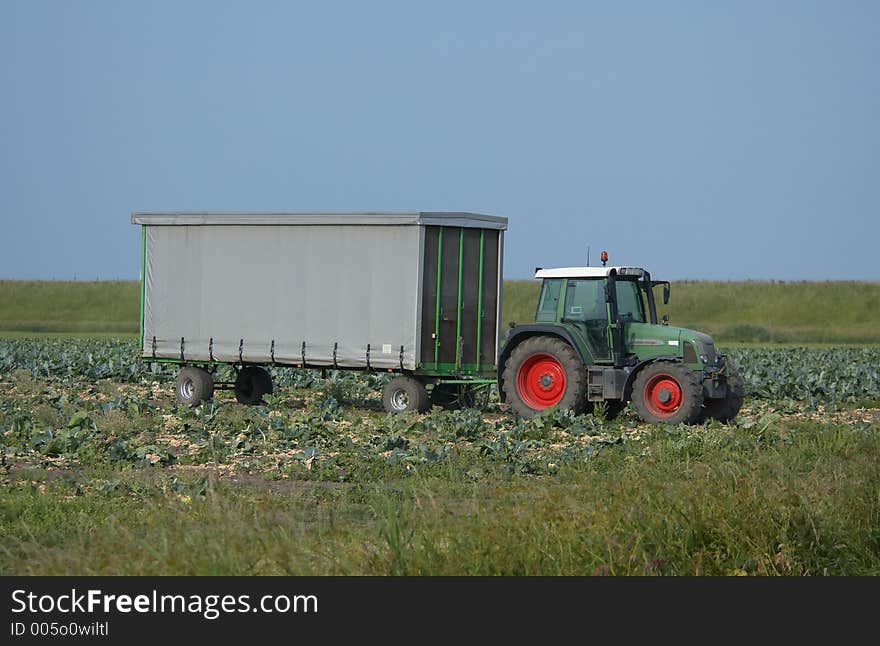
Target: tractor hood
x,y
647,340
703,343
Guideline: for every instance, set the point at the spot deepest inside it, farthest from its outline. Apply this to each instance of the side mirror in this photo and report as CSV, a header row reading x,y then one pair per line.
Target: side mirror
x,y
666,319
666,294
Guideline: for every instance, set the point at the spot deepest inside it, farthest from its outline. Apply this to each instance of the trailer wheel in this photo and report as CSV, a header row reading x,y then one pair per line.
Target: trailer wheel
x,y
251,384
453,396
404,394
541,372
726,409
194,386
667,393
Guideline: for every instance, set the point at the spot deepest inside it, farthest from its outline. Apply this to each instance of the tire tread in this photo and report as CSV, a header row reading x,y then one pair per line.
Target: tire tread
x,y
692,406
575,373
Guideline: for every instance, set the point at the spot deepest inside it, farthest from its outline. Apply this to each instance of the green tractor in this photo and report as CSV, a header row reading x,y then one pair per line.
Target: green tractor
x,y
596,338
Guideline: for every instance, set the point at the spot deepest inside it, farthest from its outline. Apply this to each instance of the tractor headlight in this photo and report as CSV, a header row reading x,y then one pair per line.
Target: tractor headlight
x,y
704,353
707,352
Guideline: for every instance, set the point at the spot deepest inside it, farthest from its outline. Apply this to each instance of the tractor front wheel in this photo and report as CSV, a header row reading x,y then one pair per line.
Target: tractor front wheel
x,y
543,372
667,393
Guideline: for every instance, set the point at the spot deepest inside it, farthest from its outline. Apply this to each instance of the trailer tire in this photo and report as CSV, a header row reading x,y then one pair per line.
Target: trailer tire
x,y
194,386
726,409
251,384
665,392
543,372
405,394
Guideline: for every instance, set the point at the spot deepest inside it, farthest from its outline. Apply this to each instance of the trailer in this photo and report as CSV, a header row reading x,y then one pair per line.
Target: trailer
x,y
417,294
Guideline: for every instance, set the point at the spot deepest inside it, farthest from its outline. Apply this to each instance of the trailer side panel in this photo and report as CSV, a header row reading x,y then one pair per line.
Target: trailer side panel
x,y
342,293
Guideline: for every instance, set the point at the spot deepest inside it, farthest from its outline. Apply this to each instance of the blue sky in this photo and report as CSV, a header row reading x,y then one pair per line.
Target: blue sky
x,y
736,140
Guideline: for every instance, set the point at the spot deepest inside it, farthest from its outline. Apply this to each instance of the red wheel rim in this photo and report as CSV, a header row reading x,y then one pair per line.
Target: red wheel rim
x,y
540,381
663,395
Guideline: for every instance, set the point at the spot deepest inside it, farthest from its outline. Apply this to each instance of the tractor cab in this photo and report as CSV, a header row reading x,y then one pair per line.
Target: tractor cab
x,y
596,301
597,338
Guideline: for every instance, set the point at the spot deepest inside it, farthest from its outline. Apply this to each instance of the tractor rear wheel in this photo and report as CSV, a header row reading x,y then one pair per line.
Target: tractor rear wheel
x,y
543,372
726,409
405,394
667,393
251,384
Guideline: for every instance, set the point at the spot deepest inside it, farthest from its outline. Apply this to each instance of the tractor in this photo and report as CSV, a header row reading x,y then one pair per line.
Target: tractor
x,y
596,339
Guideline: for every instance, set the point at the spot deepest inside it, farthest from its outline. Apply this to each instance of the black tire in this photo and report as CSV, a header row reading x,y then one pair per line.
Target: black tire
x,y
567,394
405,395
726,409
683,393
194,386
453,396
251,384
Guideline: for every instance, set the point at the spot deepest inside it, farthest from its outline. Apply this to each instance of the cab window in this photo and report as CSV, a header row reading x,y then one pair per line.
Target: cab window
x,y
629,301
585,300
549,301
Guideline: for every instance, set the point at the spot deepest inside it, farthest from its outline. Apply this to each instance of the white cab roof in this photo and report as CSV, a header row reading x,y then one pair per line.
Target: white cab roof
x,y
588,272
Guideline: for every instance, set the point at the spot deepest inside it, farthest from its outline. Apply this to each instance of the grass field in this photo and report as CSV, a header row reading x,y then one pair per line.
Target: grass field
x,y
845,312
788,498
741,312
103,472
80,307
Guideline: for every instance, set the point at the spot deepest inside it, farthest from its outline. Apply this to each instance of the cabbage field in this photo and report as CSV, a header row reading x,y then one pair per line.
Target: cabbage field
x,y
104,472
814,376
66,399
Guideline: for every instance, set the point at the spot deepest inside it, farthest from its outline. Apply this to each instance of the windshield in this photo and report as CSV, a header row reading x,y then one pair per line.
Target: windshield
x,y
629,301
585,300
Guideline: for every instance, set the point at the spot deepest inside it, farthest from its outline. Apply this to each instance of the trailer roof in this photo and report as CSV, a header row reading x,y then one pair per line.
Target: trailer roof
x,y
438,218
588,272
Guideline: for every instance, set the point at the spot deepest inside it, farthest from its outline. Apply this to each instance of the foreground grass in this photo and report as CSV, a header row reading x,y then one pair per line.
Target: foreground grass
x,y
779,498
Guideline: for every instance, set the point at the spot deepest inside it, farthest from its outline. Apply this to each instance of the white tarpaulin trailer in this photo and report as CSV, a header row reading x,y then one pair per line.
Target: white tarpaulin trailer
x,y
416,291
